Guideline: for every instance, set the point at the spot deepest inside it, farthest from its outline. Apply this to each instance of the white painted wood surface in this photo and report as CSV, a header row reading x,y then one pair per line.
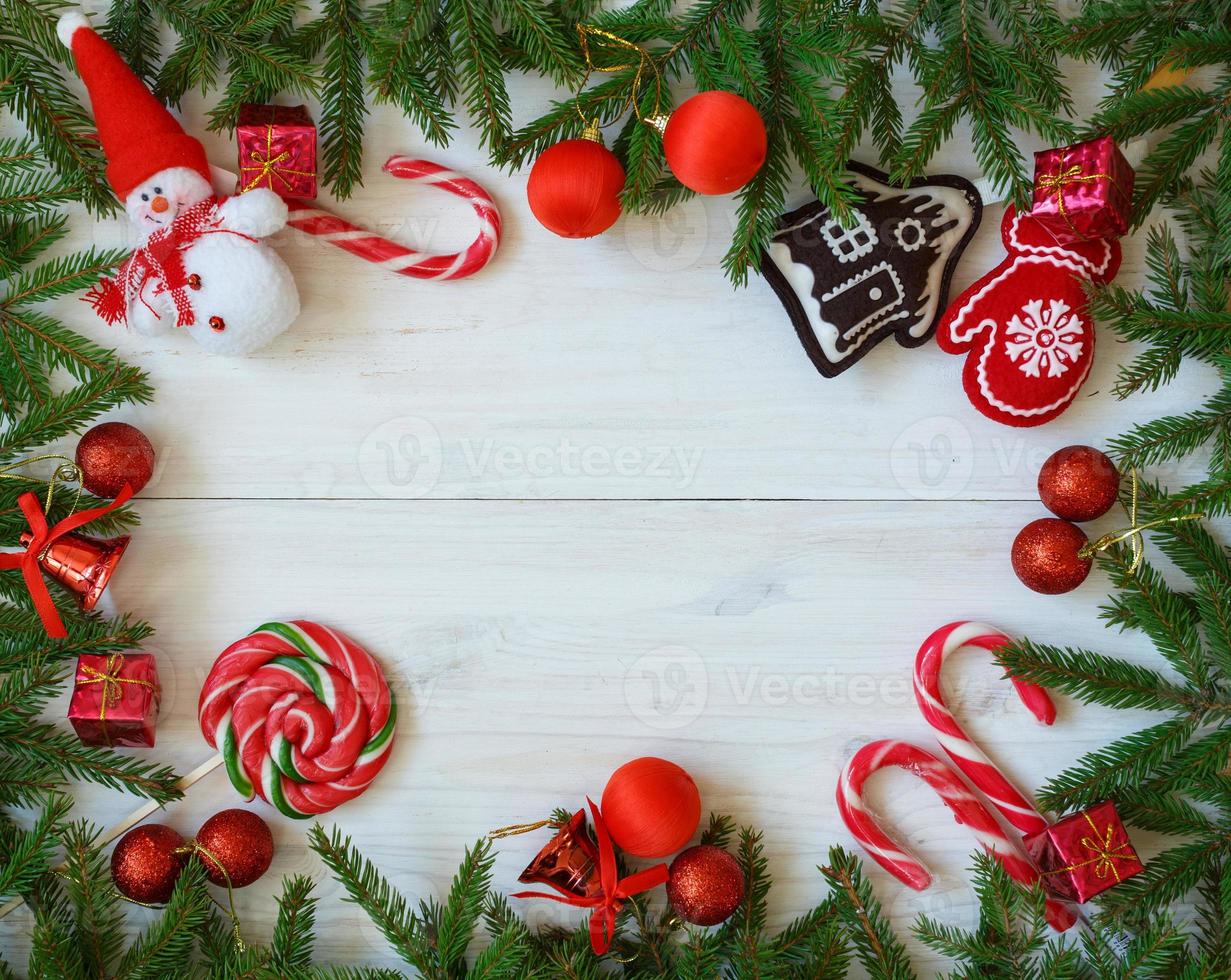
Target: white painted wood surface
x,y
590,505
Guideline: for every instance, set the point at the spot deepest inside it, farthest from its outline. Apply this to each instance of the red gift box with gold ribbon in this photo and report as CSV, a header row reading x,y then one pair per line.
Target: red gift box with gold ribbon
x,y
115,699
277,149
1083,191
1084,854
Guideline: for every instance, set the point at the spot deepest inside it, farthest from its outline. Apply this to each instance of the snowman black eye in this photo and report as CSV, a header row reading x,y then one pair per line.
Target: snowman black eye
x,y
145,197
157,190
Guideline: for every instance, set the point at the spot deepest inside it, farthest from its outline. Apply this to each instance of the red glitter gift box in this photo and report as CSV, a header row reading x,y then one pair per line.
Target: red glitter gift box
x,y
1083,191
115,699
1084,854
277,149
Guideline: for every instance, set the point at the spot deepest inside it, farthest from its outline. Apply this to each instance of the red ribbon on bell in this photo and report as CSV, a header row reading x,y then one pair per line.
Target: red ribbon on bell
x,y
41,538
615,890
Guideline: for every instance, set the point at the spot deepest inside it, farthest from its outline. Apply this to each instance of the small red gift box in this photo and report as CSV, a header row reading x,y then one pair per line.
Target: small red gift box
x,y
1083,191
277,149
1084,854
115,699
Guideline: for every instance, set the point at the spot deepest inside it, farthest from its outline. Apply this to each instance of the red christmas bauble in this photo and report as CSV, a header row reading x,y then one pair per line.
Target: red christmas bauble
x,y
240,841
715,142
706,885
1078,483
146,862
651,806
574,188
113,454
1045,556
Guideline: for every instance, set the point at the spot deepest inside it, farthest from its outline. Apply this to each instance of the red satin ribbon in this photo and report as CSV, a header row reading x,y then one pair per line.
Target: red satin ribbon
x,y
616,891
43,538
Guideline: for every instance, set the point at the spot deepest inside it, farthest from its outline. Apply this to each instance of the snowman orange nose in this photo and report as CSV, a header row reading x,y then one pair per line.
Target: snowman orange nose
x,y
159,204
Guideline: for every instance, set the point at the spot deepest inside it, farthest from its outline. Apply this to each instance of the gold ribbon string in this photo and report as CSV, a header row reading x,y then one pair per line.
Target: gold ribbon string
x,y
1133,533
267,165
192,846
66,472
519,828
111,680
1105,851
644,63
1062,178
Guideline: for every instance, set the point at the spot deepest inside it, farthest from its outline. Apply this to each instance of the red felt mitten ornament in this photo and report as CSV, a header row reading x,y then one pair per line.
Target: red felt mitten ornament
x,y
1025,327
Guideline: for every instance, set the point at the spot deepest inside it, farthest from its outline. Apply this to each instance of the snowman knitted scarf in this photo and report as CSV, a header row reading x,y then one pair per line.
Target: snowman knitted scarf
x,y
160,262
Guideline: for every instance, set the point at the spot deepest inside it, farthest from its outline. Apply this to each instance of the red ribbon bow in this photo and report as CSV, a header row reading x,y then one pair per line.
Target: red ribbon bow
x,y
616,891
42,538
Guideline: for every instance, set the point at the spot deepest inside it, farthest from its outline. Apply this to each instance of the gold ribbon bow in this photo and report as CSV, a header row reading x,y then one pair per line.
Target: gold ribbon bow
x,y
1061,179
1106,851
1133,534
111,680
266,165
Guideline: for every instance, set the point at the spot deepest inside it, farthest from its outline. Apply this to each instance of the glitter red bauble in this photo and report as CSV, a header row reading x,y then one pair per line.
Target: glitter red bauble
x,y
574,188
706,885
1078,483
113,454
715,142
651,807
241,843
146,862
1045,556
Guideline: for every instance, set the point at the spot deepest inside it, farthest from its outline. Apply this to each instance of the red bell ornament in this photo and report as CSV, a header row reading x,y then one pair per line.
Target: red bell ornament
x,y
574,187
569,861
715,142
82,564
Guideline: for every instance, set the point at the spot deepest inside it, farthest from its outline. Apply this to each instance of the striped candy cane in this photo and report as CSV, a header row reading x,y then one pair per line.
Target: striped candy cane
x,y
895,857
967,756
398,258
301,714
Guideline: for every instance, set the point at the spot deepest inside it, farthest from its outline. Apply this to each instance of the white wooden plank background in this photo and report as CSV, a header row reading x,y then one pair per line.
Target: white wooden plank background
x,y
594,504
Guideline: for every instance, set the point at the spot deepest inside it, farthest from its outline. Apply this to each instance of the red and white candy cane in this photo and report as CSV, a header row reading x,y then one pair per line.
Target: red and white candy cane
x,y
966,755
398,258
895,857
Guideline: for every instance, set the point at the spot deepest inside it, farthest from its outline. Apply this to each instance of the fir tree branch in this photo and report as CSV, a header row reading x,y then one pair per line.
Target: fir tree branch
x,y
163,948
44,745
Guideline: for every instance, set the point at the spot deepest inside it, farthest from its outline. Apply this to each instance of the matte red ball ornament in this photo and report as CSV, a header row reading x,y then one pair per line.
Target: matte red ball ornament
x,y
146,862
706,885
1045,556
113,454
574,187
715,142
240,841
1078,483
651,807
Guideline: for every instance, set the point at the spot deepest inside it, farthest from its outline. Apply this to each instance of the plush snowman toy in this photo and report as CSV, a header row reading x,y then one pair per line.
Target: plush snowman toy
x,y
201,264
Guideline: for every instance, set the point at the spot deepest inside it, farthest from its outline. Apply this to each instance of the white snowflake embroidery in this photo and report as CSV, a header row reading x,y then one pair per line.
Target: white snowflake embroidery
x,y
1046,340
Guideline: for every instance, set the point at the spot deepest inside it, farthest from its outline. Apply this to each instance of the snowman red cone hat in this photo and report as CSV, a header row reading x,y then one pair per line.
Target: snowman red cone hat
x,y
138,135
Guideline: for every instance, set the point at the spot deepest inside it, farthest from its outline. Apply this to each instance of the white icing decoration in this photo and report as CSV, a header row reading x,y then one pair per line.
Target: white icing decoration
x,y
917,240
849,244
1044,339
877,317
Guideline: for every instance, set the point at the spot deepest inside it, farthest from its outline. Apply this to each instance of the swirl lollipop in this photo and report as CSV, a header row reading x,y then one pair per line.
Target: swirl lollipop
x,y
302,715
